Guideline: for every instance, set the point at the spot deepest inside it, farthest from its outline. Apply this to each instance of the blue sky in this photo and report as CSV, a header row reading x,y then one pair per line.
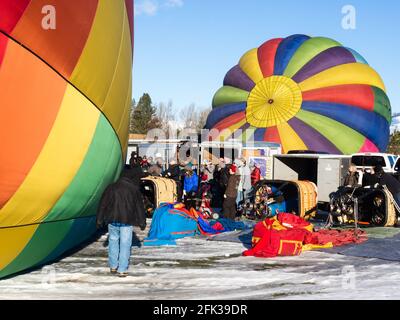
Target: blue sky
x,y
183,48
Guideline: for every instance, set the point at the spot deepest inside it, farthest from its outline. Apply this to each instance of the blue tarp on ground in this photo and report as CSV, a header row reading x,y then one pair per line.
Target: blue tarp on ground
x,y
230,225
169,224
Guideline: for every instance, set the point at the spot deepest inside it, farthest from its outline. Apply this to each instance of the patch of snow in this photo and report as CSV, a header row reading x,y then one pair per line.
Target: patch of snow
x,y
201,269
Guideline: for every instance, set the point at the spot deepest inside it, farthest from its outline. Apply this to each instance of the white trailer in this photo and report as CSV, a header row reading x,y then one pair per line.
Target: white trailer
x,y
325,170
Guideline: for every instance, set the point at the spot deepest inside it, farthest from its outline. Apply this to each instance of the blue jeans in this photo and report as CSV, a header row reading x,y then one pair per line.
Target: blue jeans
x,y
119,246
239,197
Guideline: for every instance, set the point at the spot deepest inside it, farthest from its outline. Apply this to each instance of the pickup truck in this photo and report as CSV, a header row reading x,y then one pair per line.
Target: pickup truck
x,y
389,162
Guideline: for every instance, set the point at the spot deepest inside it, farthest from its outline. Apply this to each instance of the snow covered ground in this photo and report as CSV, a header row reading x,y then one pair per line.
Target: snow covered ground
x,y
201,269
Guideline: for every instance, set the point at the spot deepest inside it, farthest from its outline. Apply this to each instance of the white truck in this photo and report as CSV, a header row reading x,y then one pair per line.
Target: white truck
x,y
367,160
389,162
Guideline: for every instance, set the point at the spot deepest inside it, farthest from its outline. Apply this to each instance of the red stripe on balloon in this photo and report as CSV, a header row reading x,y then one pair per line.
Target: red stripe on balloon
x,y
62,47
266,56
11,12
230,121
272,135
369,146
361,96
130,9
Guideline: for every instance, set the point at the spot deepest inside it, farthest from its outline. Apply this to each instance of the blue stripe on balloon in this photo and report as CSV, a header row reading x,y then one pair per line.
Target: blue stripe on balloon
x,y
286,50
369,124
359,58
259,134
222,112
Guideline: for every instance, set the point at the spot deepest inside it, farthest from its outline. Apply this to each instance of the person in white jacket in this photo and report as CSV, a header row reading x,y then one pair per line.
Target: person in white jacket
x,y
245,179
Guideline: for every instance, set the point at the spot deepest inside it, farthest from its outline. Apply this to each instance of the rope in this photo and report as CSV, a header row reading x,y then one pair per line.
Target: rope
x,y
390,195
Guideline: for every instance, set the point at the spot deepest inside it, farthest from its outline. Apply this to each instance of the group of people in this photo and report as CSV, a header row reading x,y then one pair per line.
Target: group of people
x,y
122,209
229,183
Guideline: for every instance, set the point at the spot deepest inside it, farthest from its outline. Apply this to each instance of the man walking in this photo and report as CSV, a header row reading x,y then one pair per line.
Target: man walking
x,y
121,207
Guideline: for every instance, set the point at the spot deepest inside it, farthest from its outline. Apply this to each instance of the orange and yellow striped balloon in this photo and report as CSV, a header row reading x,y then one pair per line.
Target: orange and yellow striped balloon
x,y
65,95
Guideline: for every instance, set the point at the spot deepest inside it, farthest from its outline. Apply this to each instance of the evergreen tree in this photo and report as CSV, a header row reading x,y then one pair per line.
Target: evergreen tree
x,y
394,143
144,116
131,122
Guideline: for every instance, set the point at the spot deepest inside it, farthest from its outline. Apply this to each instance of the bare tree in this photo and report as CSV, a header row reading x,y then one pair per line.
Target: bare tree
x,y
203,115
189,116
166,114
194,117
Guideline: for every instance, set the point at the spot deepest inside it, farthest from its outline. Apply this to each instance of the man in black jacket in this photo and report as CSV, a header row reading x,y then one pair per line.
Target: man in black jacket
x,y
121,207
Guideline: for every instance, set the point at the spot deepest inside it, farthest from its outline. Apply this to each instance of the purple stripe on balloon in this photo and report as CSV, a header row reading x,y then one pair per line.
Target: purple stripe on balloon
x,y
312,138
327,59
238,79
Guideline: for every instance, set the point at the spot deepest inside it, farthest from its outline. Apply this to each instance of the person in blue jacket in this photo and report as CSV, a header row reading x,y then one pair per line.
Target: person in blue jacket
x,y
190,187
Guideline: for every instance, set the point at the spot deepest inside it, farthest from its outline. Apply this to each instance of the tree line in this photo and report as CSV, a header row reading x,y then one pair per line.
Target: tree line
x,y
145,116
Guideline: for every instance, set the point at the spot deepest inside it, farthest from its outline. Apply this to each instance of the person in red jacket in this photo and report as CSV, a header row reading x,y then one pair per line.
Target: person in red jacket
x,y
255,174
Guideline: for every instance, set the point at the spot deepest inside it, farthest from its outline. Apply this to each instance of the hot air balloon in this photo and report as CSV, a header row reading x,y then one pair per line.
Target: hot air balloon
x,y
65,95
306,94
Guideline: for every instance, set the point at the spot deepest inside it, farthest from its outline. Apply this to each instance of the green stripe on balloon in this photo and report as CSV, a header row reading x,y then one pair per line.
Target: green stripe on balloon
x,y
81,230
98,169
39,246
229,95
307,51
336,132
382,104
101,166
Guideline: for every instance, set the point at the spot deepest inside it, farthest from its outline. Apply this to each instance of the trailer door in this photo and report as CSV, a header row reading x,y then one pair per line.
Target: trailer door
x,y
329,178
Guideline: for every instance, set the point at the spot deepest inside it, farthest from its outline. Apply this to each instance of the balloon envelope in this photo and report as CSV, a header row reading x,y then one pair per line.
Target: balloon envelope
x,y
306,94
65,94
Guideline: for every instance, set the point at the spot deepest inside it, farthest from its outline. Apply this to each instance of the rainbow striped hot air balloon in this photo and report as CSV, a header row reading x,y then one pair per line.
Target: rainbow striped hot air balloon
x,y
306,94
65,97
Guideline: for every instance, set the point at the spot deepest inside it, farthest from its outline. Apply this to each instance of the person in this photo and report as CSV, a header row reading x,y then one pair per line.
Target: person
x,y
156,168
389,181
217,187
239,165
351,179
145,164
224,176
134,171
190,187
369,178
229,206
174,172
245,178
255,174
121,208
